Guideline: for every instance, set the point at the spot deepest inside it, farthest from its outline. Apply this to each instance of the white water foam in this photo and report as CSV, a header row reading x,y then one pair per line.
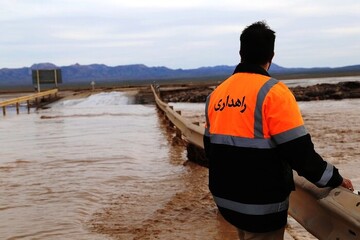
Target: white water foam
x,y
100,99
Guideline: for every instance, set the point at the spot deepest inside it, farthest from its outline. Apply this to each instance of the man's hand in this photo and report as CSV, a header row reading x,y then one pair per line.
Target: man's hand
x,y
346,183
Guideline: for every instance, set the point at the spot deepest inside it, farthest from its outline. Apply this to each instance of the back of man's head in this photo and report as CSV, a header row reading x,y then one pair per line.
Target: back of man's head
x,y
257,44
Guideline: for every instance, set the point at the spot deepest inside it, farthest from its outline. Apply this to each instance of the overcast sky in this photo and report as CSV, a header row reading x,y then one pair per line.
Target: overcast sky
x,y
176,34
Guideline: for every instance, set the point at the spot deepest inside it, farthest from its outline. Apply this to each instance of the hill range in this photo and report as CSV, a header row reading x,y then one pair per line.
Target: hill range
x,y
132,74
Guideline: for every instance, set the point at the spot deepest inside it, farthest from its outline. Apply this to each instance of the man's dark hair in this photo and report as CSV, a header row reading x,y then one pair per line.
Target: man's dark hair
x,y
257,44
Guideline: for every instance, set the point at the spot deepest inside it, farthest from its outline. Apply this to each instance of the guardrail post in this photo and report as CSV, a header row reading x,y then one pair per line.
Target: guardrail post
x,y
178,132
28,105
17,107
4,110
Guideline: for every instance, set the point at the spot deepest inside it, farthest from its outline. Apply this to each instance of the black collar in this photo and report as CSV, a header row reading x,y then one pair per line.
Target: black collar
x,y
250,68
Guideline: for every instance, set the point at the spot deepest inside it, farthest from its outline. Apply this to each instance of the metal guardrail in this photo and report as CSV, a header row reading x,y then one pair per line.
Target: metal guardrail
x,y
28,98
192,133
325,213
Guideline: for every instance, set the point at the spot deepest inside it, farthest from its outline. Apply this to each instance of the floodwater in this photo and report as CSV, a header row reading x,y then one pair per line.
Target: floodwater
x,y
103,167
304,82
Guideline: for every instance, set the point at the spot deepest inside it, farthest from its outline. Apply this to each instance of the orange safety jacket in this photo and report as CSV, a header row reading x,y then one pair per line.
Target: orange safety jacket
x,y
254,136
260,113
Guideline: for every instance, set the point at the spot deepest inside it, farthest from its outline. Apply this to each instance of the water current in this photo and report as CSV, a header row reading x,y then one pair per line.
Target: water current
x,y
104,167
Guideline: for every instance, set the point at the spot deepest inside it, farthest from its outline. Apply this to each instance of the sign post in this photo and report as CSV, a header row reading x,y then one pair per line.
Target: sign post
x,y
46,76
38,80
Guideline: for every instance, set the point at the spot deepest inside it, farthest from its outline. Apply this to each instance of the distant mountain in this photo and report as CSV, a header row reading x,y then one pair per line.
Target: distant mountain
x,y
78,74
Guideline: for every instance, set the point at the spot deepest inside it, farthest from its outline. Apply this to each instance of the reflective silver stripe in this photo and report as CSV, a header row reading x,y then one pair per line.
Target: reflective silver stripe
x,y
326,176
242,142
290,134
252,209
258,117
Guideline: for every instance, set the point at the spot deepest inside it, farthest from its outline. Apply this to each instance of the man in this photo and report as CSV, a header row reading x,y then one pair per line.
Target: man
x,y
254,137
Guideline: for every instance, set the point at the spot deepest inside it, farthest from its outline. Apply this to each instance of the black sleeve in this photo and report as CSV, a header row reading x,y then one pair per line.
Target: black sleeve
x,y
302,157
207,148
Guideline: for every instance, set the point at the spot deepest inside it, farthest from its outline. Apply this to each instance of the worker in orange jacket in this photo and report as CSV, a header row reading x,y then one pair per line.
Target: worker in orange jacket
x,y
254,137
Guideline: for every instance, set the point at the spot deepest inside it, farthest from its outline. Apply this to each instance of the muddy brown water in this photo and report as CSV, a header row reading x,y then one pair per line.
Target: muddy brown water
x,y
103,167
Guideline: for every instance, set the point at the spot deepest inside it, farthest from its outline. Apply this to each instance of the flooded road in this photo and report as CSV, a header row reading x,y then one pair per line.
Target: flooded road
x,y
104,167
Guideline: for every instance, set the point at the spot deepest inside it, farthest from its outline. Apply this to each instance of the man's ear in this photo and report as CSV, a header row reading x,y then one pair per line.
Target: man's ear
x,y
273,54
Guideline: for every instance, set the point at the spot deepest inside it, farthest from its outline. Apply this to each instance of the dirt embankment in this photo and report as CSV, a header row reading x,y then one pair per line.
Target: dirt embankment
x,y
327,91
322,91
